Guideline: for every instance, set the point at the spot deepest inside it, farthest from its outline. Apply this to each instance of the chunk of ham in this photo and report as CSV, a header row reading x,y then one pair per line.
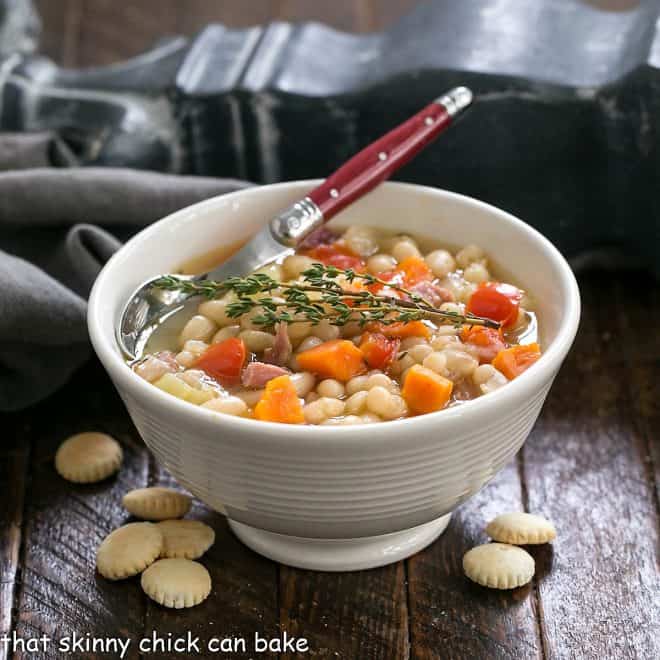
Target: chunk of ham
x,y
157,365
257,374
434,294
321,236
281,351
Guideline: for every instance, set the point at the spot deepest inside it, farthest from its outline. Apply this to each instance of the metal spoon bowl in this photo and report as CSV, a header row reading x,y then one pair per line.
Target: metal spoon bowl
x,y
149,306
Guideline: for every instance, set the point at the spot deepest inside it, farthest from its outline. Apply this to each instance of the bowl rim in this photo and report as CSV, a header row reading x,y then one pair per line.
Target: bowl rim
x,y
530,382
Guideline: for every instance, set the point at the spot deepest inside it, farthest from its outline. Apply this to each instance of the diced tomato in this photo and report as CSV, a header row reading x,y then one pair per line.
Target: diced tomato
x,y
401,330
224,361
496,301
379,351
517,359
486,343
337,255
379,289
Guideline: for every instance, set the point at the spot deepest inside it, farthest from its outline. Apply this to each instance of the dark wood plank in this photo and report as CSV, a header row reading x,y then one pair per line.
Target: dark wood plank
x,y
244,595
113,31
585,470
346,615
60,591
382,13
61,25
100,32
638,304
199,13
13,477
450,616
347,15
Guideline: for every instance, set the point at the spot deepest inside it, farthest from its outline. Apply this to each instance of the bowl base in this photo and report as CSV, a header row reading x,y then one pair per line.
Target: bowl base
x,y
340,554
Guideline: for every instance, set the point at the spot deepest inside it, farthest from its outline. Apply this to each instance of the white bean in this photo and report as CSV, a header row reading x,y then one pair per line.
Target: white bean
x,y
452,307
195,347
230,405
350,420
447,330
294,265
152,369
465,292
251,397
443,341
385,404
409,342
309,342
246,320
325,330
272,270
488,378
331,388
361,240
405,248
459,363
227,332
198,327
370,418
321,409
483,373
298,331
476,273
216,310
356,384
440,262
194,378
419,352
400,365
304,382
380,263
436,361
257,341
357,402
469,254
186,358
381,380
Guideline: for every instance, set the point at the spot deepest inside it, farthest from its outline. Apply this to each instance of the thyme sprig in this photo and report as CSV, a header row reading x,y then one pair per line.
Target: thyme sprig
x,y
323,293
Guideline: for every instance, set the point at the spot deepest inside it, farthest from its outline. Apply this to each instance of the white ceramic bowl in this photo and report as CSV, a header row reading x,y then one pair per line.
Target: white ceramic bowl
x,y
339,498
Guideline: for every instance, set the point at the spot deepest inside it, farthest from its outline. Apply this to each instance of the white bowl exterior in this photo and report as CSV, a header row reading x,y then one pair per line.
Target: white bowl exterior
x,y
339,482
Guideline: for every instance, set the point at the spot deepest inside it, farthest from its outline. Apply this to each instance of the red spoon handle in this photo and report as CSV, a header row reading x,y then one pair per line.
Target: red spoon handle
x,y
380,160
369,167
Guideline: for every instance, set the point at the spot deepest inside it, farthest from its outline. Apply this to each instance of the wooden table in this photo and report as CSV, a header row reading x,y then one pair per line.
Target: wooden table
x,y
590,465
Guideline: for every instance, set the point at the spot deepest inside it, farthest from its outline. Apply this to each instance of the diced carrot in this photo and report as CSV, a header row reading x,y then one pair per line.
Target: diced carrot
x,y
517,359
339,359
280,403
425,391
336,254
379,351
415,270
223,361
486,343
402,330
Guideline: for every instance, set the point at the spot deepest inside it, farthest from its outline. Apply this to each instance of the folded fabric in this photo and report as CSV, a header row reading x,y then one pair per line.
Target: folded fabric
x,y
58,226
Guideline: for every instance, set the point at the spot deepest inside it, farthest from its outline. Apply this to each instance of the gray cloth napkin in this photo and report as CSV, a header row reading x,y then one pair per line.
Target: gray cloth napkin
x,y
58,226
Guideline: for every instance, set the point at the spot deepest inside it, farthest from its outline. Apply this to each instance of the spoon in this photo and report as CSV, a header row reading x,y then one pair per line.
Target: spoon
x,y
149,306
